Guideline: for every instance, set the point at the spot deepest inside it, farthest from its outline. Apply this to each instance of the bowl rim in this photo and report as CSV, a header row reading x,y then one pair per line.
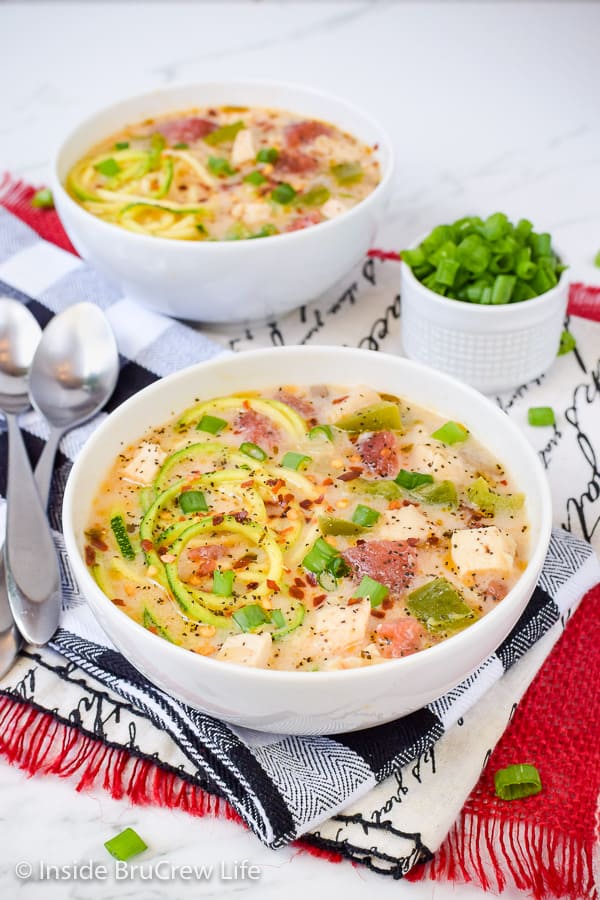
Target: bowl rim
x,y
479,309
383,141
276,677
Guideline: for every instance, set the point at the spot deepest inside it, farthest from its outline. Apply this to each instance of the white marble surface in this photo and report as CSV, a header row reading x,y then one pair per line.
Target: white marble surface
x,y
490,106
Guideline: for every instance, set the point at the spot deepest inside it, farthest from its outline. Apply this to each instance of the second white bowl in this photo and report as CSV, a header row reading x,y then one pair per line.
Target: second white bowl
x,y
224,281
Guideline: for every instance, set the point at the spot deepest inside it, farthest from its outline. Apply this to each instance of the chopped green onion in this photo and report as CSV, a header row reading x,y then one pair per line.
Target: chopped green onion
x,y
317,196
119,529
541,416
333,525
567,343
43,199
108,167
451,433
220,166
518,781
296,620
411,480
320,556
250,617
267,155
339,567
255,178
327,581
318,430
379,417
157,145
125,845
597,259
181,145
365,516
489,262
347,173
295,461
284,193
439,606
193,501
224,134
121,145
253,450
373,590
278,618
211,424
223,582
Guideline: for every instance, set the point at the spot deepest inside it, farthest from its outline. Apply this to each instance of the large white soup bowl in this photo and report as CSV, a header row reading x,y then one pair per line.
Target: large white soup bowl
x,y
223,281
307,702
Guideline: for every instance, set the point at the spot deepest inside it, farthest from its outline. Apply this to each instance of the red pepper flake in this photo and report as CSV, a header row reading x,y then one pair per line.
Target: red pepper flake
x,y
306,504
96,541
118,602
320,498
288,498
90,555
217,520
246,404
242,562
327,481
241,516
311,578
319,599
337,400
504,482
387,603
299,581
296,592
354,600
247,484
252,585
147,546
409,503
351,474
272,585
378,613
162,551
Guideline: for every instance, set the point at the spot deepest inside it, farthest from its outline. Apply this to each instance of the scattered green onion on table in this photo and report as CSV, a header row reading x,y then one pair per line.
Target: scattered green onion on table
x,y
488,262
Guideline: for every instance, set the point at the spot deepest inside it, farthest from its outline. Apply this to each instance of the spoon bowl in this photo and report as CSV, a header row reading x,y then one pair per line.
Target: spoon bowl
x,y
73,373
75,368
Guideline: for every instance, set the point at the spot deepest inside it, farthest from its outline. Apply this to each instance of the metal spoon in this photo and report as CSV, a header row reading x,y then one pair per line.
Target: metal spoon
x,y
29,555
73,373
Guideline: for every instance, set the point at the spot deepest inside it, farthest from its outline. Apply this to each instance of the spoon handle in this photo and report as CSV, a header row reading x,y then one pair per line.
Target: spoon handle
x,y
45,465
31,561
10,639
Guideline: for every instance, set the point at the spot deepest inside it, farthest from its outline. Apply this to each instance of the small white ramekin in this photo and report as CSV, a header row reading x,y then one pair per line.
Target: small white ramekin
x,y
492,348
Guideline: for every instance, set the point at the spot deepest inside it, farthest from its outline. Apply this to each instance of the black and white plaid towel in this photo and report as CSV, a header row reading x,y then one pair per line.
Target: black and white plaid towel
x,y
343,789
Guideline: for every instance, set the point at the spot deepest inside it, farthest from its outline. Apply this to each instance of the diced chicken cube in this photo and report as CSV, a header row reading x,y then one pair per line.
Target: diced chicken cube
x,y
145,463
338,629
243,149
333,207
354,398
256,213
443,464
483,550
401,524
246,650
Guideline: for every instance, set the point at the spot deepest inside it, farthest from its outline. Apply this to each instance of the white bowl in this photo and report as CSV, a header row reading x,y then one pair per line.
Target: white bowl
x,y
492,348
223,281
307,702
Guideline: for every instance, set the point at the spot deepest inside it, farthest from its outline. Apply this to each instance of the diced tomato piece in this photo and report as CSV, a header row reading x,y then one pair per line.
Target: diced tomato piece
x,y
399,637
304,132
257,428
379,452
390,562
183,131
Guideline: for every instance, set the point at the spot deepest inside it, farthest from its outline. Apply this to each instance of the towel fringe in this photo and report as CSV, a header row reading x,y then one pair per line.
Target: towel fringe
x,y
39,744
497,855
